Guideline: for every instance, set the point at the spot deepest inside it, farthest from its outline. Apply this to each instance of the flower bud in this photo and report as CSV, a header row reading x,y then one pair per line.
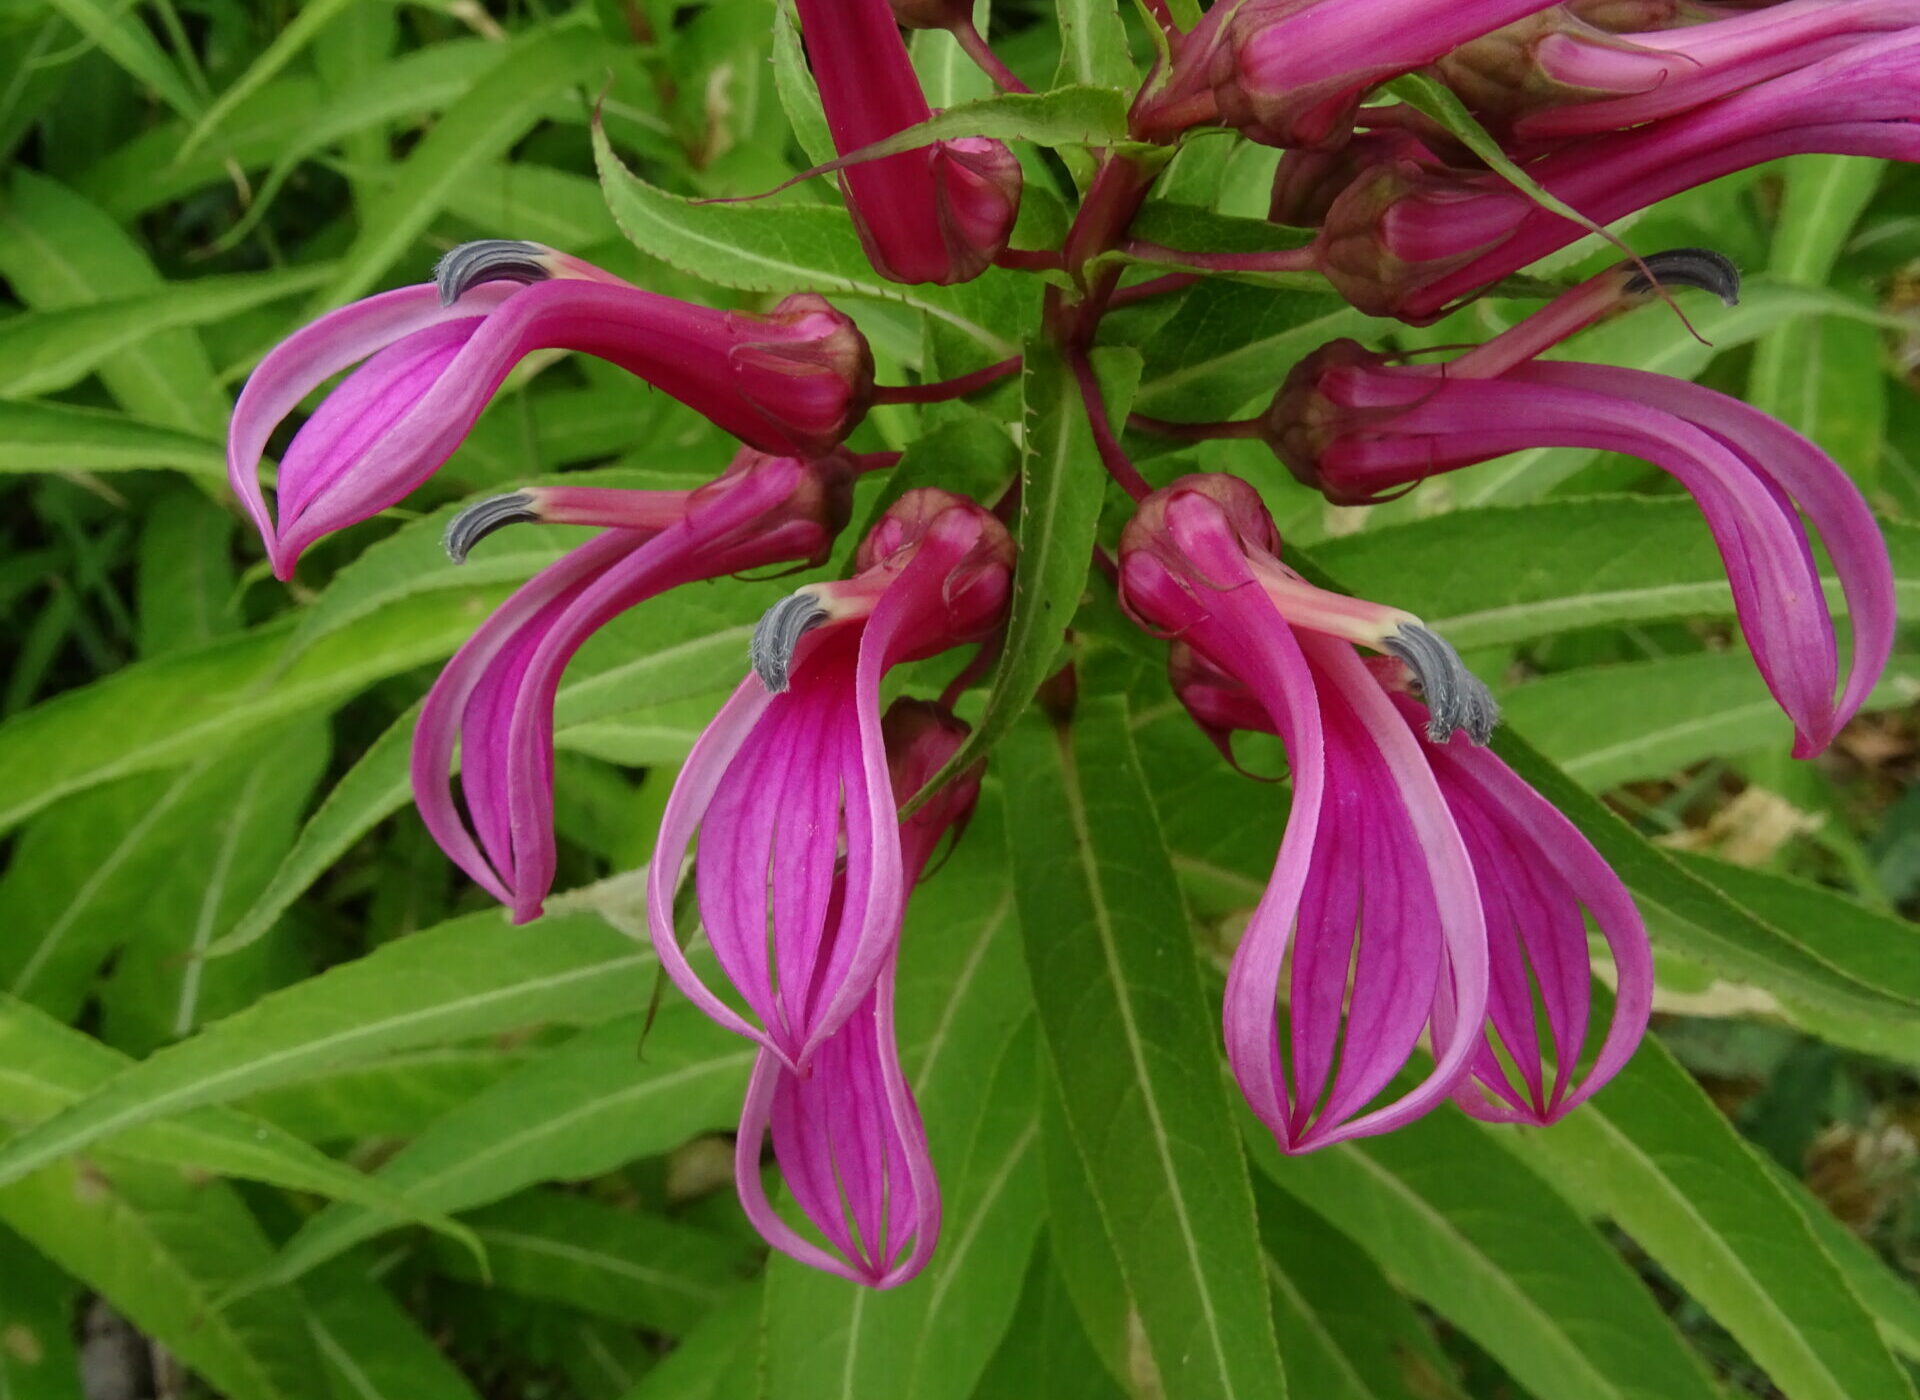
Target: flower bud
x,y
815,381
974,186
921,737
1301,420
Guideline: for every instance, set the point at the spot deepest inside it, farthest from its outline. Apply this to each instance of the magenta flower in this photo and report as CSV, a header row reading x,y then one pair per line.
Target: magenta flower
x,y
1372,874
1292,72
1357,427
494,700
789,786
940,213
1409,238
1554,76
1539,881
848,1136
793,382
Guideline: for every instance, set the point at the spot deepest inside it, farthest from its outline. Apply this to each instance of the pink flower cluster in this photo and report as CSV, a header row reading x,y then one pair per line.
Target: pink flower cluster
x,y
1421,890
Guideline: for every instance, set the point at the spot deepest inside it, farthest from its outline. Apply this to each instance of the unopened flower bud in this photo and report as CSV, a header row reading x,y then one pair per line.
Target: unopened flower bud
x,y
1306,183
817,376
1301,420
973,186
921,737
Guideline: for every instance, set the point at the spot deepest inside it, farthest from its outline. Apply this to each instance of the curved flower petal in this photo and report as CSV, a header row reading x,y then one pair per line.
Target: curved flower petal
x,y
850,1144
1540,881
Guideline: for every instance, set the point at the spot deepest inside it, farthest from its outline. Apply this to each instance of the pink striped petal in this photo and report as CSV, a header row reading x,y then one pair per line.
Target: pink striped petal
x,y
850,1145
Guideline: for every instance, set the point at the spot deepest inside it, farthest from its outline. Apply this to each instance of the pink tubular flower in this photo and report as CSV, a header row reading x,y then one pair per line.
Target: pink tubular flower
x,y
1372,872
1539,882
1553,76
1355,427
940,213
848,1136
495,698
791,778
1408,239
1292,72
794,382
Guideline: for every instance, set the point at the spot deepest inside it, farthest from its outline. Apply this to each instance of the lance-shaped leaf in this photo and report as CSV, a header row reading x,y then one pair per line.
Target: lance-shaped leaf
x,y
1135,1047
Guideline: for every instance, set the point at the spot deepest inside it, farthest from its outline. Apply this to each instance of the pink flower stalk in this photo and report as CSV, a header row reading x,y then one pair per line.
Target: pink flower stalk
x,y
1553,76
494,700
1372,874
1293,72
1356,427
848,1137
793,382
940,213
1539,880
791,780
1408,239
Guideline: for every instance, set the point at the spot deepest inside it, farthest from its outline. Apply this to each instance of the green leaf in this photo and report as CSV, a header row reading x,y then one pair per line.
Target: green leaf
x,y
229,832
161,1248
371,1348
1876,948
492,115
799,96
1652,1152
1134,1044
795,247
1062,488
37,1305
1822,377
1346,1331
1470,1232
1607,725
1046,1352
397,1096
1230,344
713,1362
594,1104
185,578
45,1067
469,977
1093,45
1891,1299
1730,938
157,714
630,1267
58,250
1500,575
46,351
1075,115
311,18
967,1041
120,34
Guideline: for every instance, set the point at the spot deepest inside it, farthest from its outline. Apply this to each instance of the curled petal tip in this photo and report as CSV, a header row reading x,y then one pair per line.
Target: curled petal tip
x,y
482,518
1687,267
778,633
1456,699
489,260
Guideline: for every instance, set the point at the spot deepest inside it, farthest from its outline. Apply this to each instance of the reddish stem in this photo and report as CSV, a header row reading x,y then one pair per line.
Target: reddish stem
x,y
1282,260
1196,432
940,390
980,52
1028,259
1112,455
1152,287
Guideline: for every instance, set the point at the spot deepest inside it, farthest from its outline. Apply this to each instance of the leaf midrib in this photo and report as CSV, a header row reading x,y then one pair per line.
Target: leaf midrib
x,y
1103,925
